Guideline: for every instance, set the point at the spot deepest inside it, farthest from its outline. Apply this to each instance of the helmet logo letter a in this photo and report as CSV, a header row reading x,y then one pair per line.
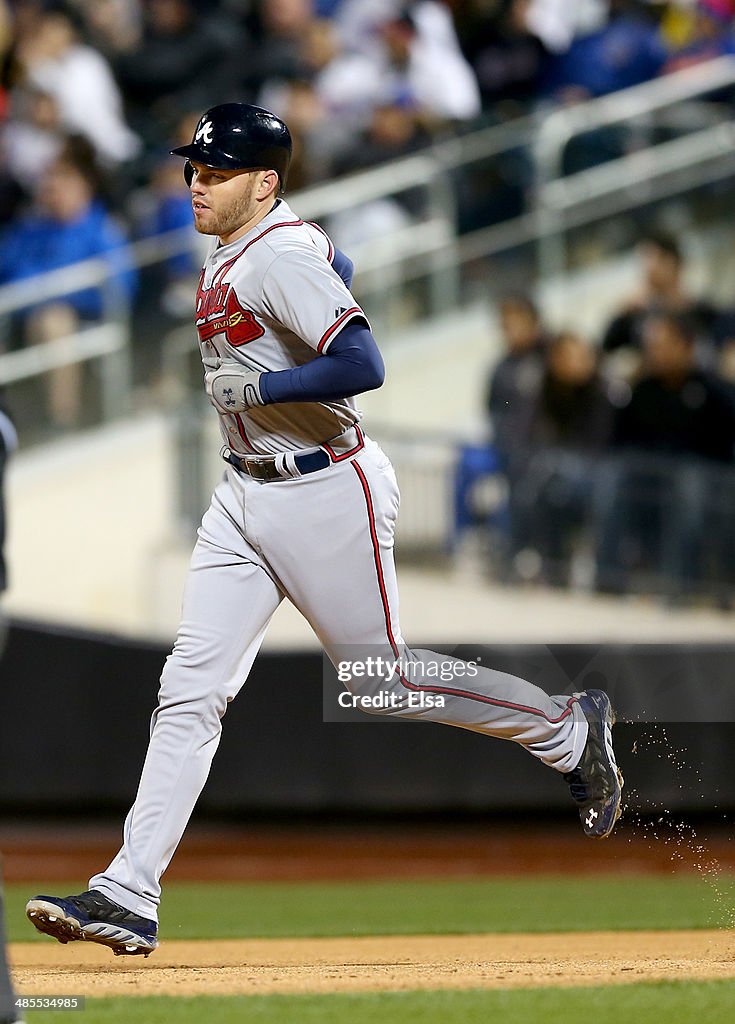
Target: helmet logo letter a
x,y
204,131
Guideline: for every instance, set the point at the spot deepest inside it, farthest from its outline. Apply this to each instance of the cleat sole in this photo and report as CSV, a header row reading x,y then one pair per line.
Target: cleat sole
x,y
47,919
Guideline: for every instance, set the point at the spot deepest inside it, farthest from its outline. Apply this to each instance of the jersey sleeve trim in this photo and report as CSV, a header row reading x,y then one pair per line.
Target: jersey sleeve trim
x,y
330,254
329,334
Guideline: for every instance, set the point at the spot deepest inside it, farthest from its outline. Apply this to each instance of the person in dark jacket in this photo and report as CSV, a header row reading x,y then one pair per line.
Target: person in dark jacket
x,y
671,480
515,379
570,424
662,289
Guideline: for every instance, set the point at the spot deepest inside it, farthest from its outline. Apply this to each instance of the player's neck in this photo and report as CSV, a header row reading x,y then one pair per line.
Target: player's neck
x,y
260,215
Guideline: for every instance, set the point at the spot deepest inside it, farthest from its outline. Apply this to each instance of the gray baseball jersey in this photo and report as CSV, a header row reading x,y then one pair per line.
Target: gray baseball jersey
x,y
245,310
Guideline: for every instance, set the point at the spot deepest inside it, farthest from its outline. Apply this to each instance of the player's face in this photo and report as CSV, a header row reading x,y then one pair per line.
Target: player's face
x,y
229,203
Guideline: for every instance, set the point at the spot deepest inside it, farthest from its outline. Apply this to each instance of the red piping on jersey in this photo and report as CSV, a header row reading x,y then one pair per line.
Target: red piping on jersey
x,y
241,431
313,224
448,691
226,266
376,556
346,455
329,333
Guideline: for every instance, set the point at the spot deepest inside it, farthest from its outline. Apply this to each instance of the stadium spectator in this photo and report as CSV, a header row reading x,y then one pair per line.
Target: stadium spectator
x,y
507,55
627,51
56,61
163,298
674,439
179,62
662,288
424,65
32,137
557,22
329,107
392,132
358,21
511,395
515,380
279,29
415,63
569,424
69,223
112,26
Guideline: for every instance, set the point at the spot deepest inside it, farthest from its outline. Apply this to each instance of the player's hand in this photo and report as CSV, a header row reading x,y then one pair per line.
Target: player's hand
x,y
232,387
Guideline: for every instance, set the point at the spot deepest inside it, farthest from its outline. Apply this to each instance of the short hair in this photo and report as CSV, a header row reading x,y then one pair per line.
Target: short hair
x,y
520,300
664,241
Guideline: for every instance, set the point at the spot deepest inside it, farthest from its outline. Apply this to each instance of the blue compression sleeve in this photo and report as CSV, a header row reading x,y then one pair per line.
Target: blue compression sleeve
x,y
352,364
344,266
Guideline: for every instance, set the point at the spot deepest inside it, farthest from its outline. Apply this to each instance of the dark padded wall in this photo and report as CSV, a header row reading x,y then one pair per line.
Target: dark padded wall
x,y
74,713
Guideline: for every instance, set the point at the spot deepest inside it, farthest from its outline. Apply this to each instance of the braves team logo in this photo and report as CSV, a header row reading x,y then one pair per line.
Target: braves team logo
x,y
204,131
219,312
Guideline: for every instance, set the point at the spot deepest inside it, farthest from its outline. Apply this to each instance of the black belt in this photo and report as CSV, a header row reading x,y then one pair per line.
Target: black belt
x,y
263,467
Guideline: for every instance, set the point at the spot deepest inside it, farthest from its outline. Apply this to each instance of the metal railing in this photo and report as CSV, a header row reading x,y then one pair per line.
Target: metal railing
x,y
427,246
560,200
108,342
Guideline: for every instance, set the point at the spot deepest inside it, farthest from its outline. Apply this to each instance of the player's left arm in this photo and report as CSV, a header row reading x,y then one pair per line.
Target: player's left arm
x,y
344,266
352,366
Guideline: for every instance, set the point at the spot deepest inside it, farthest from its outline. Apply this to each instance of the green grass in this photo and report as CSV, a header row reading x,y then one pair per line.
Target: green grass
x,y
195,911
674,1003
494,905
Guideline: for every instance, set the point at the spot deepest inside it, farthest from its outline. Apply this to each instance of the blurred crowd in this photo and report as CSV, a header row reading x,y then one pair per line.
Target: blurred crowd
x,y
358,81
625,443
94,93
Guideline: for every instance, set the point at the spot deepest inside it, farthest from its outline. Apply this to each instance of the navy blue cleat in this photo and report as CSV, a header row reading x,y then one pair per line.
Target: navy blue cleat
x,y
94,917
596,784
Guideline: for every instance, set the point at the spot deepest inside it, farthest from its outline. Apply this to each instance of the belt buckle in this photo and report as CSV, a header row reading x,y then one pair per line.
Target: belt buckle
x,y
256,468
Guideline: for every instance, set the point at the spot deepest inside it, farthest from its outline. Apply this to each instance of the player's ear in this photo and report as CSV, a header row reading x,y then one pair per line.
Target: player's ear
x,y
269,184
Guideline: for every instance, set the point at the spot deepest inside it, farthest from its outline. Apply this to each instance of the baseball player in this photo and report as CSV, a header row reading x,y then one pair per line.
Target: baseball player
x,y
306,510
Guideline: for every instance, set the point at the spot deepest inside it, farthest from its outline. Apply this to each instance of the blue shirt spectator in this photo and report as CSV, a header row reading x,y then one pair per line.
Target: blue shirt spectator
x,y
69,224
627,51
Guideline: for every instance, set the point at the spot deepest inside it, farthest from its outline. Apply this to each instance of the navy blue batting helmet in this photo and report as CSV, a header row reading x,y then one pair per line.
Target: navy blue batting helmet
x,y
238,135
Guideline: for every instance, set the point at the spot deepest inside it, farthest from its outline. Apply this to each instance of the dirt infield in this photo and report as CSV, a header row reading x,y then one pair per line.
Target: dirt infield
x,y
268,966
